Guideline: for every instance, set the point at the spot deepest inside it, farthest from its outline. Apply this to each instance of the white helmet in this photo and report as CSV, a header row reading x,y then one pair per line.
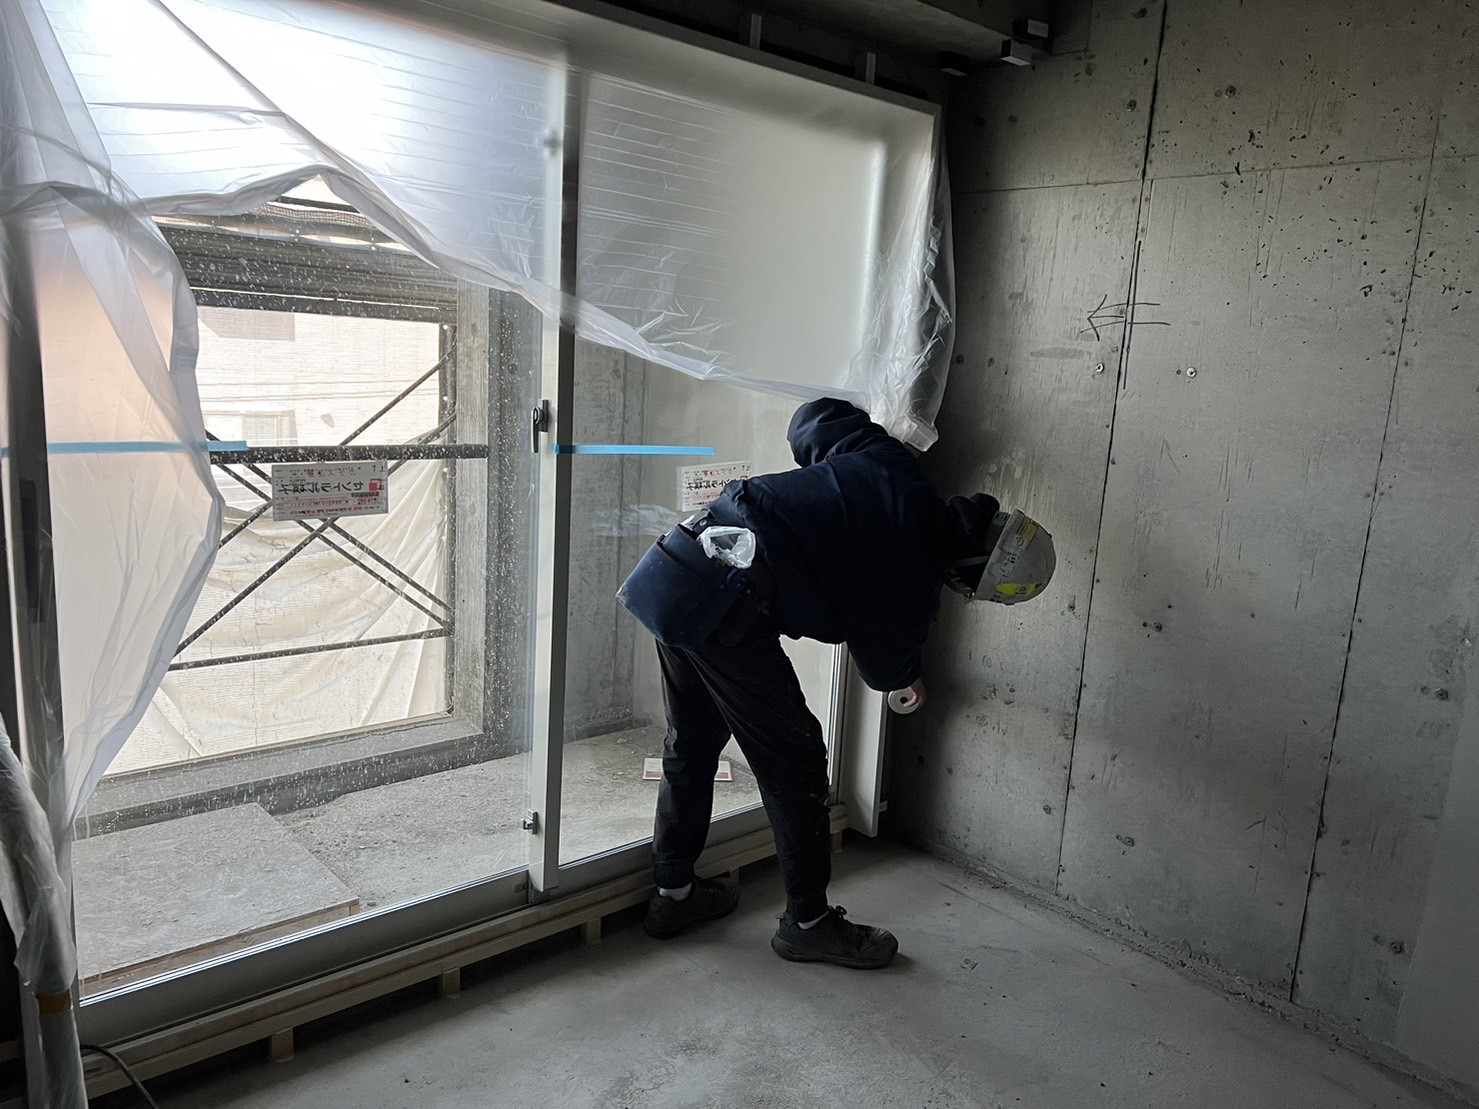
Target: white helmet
x,y
1019,567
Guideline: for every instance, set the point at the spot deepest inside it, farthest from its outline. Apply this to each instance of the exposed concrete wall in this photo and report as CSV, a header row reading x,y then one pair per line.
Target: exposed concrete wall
x,y
1232,723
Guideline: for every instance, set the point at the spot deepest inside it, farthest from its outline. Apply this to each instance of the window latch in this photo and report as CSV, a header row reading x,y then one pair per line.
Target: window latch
x,y
530,823
538,424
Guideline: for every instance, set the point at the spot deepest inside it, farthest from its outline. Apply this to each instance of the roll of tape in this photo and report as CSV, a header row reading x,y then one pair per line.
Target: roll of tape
x,y
896,702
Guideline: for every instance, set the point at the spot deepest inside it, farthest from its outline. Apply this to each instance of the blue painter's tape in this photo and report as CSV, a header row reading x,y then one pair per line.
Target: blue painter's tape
x,y
633,448
140,447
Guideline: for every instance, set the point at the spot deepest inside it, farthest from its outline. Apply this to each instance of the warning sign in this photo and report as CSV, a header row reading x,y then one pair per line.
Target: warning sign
x,y
315,490
698,485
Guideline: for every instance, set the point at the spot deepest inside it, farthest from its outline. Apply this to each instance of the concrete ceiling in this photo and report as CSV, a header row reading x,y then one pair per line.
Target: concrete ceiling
x,y
916,26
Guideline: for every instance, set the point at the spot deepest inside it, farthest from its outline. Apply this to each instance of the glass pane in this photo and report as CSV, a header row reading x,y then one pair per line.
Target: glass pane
x,y
615,722
347,730
285,379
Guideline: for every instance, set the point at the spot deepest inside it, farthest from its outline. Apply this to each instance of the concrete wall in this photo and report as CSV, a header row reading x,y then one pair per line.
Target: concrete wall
x,y
1239,721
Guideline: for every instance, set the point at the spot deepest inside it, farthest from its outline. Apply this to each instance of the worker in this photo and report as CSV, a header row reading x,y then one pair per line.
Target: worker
x,y
852,548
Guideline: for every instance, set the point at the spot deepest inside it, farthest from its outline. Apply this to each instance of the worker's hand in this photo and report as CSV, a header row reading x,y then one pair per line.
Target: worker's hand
x,y
915,699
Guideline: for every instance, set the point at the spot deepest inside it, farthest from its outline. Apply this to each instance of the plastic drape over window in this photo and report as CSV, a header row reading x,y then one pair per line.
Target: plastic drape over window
x,y
135,513
736,223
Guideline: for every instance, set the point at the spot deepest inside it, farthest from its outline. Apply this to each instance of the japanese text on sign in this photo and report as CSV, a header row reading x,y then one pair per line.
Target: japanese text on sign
x,y
698,485
316,490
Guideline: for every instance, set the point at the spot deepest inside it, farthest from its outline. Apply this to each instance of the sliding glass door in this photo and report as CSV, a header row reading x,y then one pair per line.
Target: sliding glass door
x,y
653,445
387,726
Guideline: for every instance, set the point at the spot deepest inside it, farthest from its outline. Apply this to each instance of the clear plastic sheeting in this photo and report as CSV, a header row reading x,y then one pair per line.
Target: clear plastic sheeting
x,y
135,513
736,222
39,911
783,252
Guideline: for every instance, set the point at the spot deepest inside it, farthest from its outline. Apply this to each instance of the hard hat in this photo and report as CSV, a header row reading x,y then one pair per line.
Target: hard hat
x,y
1018,568
1021,563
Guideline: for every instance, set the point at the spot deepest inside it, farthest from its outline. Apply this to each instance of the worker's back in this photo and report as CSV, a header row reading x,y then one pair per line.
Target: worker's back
x,y
856,540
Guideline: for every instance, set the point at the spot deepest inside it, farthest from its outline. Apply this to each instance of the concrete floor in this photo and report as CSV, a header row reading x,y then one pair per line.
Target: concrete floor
x,y
165,895
992,1002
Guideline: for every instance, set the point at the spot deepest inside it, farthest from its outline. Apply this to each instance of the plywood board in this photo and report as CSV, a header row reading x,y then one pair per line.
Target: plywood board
x,y
1070,120
1235,513
166,895
1413,642
1264,83
982,769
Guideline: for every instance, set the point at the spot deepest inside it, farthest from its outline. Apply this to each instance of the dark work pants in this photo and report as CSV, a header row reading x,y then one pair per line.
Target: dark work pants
x,y
743,686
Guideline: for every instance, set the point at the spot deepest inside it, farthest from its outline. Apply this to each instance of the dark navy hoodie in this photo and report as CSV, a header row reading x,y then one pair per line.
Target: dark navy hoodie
x,y
857,540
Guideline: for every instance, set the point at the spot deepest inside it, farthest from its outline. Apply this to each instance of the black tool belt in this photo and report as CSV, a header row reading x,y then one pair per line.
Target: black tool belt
x,y
681,595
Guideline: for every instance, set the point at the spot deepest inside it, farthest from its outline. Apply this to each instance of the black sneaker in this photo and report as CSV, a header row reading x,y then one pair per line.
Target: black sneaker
x,y
835,940
709,899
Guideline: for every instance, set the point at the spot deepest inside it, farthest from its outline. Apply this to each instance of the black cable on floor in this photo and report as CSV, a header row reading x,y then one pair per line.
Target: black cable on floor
x,y
127,1073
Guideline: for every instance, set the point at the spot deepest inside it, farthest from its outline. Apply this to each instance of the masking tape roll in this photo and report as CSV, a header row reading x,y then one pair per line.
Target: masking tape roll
x,y
896,702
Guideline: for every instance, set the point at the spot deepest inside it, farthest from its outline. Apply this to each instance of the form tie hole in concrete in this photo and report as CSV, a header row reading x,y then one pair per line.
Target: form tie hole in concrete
x,y
1191,372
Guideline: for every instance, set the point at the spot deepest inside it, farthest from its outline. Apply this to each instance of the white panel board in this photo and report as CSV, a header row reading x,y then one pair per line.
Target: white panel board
x,y
982,768
864,728
1235,513
1412,646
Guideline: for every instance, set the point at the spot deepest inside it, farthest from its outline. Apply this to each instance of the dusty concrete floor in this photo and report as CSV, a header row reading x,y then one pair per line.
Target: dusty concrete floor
x,y
220,881
992,1002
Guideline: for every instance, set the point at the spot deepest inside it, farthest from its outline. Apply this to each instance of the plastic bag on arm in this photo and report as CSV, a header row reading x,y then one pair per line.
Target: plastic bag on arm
x,y
731,546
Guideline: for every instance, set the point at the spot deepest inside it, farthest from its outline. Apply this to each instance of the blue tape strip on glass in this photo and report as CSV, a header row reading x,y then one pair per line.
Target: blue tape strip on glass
x,y
140,448
634,448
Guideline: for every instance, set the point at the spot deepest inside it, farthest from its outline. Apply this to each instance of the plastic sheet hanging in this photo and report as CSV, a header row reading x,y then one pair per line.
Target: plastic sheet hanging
x,y
736,223
135,514
39,911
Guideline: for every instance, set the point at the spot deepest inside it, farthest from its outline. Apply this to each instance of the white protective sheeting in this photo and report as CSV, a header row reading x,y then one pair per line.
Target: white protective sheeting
x,y
741,223
134,508
318,597
735,223
281,379
39,911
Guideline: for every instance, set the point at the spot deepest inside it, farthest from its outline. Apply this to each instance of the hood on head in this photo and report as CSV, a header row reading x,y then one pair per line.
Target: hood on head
x,y
823,428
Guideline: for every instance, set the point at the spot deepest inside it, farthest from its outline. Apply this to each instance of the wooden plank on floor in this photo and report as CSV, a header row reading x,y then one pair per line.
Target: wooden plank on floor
x,y
178,892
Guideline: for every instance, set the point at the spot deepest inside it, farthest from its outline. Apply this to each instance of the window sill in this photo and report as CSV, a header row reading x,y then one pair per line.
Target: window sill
x,y
284,779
